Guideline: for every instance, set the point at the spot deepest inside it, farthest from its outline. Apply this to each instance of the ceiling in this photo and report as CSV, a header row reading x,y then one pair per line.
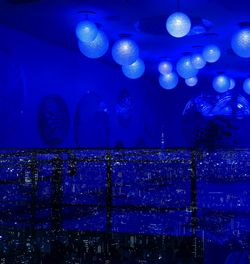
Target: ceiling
x,y
55,21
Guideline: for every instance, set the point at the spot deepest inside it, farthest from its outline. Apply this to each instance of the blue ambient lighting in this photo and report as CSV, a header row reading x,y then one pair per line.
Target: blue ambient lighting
x,y
198,61
211,53
240,43
135,70
246,86
125,52
96,48
178,25
221,83
169,81
165,67
185,68
191,81
86,31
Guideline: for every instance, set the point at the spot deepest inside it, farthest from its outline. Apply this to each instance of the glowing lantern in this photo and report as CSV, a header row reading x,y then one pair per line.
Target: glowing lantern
x,y
135,70
246,86
198,61
191,81
178,25
221,83
125,52
169,81
96,48
165,67
240,43
86,31
211,53
185,68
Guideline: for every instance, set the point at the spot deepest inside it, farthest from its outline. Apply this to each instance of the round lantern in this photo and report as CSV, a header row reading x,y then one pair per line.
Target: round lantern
x,y
125,52
165,67
178,25
185,68
96,48
246,86
134,70
198,61
240,43
191,81
211,53
221,83
169,81
86,31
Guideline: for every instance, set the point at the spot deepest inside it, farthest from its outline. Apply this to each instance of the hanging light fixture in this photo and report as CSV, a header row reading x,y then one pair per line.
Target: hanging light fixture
x,y
96,48
178,25
185,68
211,53
134,70
240,43
221,83
191,81
165,67
169,81
125,51
198,61
86,31
246,86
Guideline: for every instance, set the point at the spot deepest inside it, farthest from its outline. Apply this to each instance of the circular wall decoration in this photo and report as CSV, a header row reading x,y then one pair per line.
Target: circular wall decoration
x,y
11,96
53,119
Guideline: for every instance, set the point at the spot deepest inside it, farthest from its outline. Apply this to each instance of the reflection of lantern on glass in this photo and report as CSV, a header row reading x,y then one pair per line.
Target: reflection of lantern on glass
x,y
198,61
134,70
240,43
221,83
185,68
191,81
211,53
178,25
96,48
125,52
169,81
86,31
165,67
246,86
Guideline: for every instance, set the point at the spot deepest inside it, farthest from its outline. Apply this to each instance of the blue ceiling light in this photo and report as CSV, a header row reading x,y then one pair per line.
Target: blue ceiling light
x,y
86,31
96,48
191,81
169,81
125,52
135,70
185,68
246,86
232,84
165,67
178,25
211,53
198,61
240,43
221,83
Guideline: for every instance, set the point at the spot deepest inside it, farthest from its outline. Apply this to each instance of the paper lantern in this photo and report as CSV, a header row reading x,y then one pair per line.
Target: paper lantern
x,y
169,81
185,68
178,25
96,48
125,52
240,43
135,70
86,31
